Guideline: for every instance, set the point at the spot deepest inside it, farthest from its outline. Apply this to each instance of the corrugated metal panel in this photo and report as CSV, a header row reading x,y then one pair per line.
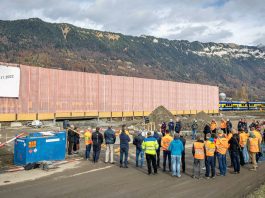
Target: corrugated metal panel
x,y
45,90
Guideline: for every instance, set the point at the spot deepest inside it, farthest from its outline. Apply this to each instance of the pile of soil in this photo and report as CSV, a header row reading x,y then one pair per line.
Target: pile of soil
x,y
159,115
201,117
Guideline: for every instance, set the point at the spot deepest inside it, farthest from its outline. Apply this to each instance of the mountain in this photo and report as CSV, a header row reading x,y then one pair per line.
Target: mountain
x,y
238,70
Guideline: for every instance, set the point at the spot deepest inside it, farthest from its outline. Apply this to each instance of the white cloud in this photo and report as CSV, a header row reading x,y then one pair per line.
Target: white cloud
x,y
235,21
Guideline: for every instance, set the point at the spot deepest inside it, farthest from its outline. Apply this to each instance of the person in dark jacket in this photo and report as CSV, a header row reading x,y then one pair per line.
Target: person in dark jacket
x,y
240,125
245,125
163,128
76,141
124,147
206,130
235,150
178,125
183,140
70,139
97,139
110,139
158,138
137,141
171,126
194,128
229,126
253,124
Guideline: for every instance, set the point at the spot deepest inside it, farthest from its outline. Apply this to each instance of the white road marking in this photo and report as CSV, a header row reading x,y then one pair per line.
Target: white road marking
x,y
90,171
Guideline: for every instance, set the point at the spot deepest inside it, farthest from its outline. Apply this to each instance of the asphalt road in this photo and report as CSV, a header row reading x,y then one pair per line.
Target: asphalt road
x,y
105,180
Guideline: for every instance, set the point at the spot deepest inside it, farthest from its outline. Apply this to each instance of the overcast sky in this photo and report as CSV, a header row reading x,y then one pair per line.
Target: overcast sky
x,y
233,21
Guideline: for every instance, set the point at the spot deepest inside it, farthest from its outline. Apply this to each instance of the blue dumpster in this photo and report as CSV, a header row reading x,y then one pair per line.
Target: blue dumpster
x,y
38,147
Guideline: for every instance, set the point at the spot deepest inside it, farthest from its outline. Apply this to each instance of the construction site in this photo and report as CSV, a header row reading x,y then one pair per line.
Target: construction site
x,y
47,99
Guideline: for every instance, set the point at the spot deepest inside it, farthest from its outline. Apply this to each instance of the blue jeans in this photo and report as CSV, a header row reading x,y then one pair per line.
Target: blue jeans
x,y
124,152
194,132
175,161
88,149
235,159
139,153
209,162
222,163
245,154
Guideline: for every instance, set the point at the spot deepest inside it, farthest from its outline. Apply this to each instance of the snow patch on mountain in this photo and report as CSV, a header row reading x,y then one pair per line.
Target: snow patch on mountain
x,y
230,52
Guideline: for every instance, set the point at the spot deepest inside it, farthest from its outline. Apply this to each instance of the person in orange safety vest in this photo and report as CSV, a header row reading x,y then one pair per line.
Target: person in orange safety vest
x,y
198,151
221,148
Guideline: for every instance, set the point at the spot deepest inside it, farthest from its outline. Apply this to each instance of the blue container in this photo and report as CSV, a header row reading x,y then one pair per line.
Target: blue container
x,y
36,147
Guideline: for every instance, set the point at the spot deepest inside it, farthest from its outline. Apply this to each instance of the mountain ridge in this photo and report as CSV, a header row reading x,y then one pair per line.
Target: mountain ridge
x,y
237,69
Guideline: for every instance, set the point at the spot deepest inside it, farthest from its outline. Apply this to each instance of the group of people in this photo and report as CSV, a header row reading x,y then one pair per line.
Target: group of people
x,y
243,146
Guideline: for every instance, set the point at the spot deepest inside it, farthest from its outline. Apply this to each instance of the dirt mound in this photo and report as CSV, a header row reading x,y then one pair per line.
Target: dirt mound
x,y
201,117
159,115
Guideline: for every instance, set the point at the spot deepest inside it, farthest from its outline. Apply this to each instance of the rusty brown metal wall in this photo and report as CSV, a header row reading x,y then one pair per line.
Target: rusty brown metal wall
x,y
45,90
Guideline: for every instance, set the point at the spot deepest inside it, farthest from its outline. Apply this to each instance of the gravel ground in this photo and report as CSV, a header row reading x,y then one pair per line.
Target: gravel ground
x,y
259,193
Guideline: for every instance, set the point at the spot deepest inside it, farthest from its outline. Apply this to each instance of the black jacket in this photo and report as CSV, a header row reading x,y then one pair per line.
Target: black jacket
x,y
97,138
158,138
234,143
138,140
178,127
183,140
207,129
71,135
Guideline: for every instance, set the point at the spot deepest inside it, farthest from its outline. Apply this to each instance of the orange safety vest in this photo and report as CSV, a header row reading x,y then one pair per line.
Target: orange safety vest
x,y
88,137
199,150
222,145
243,137
258,135
213,125
229,136
210,148
254,145
165,142
223,124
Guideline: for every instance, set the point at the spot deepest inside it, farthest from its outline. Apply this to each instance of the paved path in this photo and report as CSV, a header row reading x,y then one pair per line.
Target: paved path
x,y
105,180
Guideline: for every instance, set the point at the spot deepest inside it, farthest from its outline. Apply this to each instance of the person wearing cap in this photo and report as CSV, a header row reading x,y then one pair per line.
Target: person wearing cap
x,y
176,148
110,138
198,152
88,142
243,137
137,141
194,128
235,150
97,139
253,146
165,142
158,138
221,148
150,146
209,156
124,147
213,126
229,126
223,125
